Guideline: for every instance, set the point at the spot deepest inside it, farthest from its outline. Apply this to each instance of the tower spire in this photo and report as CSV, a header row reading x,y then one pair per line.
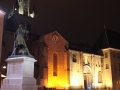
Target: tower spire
x,y
106,35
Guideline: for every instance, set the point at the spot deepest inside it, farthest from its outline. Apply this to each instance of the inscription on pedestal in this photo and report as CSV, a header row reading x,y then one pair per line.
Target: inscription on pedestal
x,y
14,69
20,74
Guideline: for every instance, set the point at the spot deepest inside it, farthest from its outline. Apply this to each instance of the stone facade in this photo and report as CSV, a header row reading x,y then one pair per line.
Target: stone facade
x,y
59,66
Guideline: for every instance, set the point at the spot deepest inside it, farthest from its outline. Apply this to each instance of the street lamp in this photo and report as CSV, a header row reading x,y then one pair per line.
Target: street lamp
x,y
4,67
2,73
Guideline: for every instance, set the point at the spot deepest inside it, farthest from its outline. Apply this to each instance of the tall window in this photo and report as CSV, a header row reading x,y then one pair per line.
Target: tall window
x,y
54,64
106,55
74,58
99,77
107,66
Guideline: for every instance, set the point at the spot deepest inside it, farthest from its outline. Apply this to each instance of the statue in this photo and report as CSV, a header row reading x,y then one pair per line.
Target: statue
x,y
20,47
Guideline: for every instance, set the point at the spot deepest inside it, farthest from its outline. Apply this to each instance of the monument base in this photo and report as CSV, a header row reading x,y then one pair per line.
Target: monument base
x,y
20,74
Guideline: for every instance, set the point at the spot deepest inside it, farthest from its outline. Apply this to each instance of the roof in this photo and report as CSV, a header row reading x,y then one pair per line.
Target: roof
x,y
80,47
108,38
113,39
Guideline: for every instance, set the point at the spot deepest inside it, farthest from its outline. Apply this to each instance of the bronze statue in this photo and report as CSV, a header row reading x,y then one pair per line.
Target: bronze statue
x,y
20,47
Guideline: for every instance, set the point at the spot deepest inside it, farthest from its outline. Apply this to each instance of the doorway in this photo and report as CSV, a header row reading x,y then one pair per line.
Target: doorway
x,y
87,77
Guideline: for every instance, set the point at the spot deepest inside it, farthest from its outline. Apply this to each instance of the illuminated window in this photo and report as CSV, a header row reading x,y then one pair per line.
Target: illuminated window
x,y
74,58
107,66
99,77
54,64
106,54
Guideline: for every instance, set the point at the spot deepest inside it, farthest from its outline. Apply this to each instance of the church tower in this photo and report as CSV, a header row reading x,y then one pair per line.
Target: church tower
x,y
21,13
24,7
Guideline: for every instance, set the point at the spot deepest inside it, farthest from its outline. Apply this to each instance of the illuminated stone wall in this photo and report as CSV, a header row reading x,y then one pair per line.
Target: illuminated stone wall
x,y
86,70
112,71
55,44
107,69
76,69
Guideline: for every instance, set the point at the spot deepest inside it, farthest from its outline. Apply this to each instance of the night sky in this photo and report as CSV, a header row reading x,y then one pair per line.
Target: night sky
x,y
78,21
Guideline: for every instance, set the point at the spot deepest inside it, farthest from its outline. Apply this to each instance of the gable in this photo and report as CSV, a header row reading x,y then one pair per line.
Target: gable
x,y
54,37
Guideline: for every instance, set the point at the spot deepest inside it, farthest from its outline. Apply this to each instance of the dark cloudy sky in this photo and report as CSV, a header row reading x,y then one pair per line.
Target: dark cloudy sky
x,y
78,21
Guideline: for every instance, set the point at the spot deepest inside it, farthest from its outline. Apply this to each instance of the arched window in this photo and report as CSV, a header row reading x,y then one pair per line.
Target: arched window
x,y
54,64
99,77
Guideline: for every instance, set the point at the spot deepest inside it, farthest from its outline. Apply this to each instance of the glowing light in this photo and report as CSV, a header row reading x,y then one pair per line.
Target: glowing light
x,y
3,75
4,67
1,12
74,81
32,15
67,85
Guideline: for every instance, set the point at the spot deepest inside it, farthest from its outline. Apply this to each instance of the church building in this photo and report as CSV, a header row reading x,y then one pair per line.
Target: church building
x,y
63,65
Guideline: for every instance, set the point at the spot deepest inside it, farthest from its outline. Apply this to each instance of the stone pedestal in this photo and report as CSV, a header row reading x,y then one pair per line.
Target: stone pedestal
x,y
20,74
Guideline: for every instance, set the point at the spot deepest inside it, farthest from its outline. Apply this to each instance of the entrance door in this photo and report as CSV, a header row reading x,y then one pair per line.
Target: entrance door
x,y
87,78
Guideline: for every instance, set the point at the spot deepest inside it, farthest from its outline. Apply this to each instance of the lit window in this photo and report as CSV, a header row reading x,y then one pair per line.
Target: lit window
x,y
99,77
74,58
107,66
54,64
106,54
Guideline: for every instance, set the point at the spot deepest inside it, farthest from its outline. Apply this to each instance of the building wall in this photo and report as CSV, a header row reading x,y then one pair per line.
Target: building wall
x,y
76,71
86,70
113,57
56,45
2,13
107,69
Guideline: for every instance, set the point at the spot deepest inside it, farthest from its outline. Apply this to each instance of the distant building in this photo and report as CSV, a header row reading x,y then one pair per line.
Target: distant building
x,y
64,65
